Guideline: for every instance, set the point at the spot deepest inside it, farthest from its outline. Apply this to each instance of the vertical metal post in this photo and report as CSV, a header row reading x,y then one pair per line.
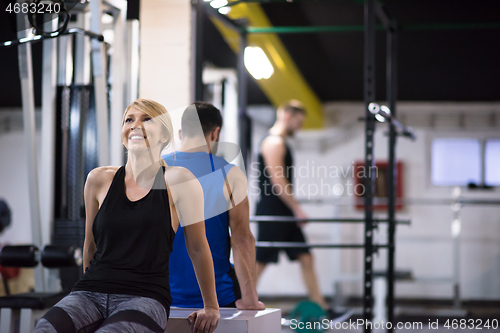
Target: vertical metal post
x,y
391,81
197,42
82,52
48,140
483,160
64,60
99,61
118,81
77,114
243,120
456,227
132,66
28,102
369,97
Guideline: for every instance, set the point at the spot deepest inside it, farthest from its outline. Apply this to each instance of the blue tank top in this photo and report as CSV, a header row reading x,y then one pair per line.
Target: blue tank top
x,y
211,172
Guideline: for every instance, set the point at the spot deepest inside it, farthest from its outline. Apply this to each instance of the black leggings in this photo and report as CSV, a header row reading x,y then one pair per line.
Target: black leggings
x,y
88,312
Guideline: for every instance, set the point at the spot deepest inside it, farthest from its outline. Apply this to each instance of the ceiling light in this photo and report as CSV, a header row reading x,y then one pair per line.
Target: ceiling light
x,y
218,3
224,10
257,63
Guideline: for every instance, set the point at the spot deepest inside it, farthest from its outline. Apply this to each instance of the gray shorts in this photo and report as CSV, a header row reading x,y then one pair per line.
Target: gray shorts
x,y
86,312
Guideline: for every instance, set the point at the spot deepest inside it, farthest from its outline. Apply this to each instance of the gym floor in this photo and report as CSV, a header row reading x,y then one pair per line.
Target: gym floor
x,y
425,330
478,310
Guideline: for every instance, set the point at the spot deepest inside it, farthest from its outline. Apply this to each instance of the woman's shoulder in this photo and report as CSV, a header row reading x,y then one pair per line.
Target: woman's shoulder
x,y
101,175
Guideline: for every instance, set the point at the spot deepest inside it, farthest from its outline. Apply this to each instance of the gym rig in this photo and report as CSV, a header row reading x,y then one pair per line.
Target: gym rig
x,y
373,113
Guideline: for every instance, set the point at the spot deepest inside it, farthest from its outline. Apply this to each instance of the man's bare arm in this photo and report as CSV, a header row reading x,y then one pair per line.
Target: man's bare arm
x,y
242,240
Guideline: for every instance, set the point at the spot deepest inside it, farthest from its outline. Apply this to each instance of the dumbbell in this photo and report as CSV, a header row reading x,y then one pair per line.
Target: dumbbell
x,y
51,256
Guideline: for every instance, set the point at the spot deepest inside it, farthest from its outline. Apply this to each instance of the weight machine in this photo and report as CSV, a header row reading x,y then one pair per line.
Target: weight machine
x,y
87,82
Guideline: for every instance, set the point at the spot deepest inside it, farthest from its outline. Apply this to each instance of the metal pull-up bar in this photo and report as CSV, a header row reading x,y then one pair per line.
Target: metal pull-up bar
x,y
36,38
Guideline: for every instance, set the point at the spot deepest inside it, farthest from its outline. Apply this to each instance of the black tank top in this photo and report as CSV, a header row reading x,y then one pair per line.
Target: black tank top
x,y
270,203
133,243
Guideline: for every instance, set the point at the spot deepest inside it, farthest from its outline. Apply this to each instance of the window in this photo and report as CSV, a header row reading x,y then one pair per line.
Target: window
x,y
465,161
492,163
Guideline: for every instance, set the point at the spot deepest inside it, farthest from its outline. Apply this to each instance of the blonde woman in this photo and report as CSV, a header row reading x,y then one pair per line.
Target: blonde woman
x,y
132,214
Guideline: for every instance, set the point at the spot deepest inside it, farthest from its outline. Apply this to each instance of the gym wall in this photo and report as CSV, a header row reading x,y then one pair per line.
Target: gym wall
x,y
424,247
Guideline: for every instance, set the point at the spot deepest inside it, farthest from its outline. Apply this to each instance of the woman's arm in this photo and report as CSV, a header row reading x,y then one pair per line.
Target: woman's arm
x,y
91,208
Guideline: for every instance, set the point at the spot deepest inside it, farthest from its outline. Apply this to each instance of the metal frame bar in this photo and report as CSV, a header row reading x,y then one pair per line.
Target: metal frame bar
x,y
244,122
455,234
81,52
5,320
386,20
28,103
118,79
431,202
450,26
319,245
369,97
48,139
64,60
404,130
263,218
233,3
387,25
99,68
197,45
391,91
37,38
307,29
132,66
212,12
243,119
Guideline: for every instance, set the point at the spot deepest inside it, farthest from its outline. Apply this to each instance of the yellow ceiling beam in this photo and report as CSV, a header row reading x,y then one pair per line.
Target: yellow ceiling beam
x,y
287,82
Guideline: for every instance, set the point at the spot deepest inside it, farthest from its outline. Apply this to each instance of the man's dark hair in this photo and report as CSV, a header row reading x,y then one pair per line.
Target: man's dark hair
x,y
206,114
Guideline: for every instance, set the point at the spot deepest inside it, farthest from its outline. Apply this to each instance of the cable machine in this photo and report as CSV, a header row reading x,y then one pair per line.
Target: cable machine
x,y
86,83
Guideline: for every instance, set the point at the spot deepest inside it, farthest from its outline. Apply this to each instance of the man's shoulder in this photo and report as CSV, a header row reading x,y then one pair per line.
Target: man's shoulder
x,y
273,144
274,139
220,163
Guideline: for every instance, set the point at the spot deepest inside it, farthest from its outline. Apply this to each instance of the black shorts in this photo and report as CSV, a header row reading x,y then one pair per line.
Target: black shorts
x,y
278,232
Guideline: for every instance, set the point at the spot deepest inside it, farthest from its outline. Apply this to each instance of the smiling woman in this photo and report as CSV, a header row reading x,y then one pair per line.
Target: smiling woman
x,y
132,214
142,111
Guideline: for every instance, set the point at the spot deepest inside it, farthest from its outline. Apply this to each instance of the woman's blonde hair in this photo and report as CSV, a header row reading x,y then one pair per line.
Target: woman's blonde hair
x,y
157,113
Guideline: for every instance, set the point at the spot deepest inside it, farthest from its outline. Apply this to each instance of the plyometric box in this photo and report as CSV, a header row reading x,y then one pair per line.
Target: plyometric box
x,y
231,321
